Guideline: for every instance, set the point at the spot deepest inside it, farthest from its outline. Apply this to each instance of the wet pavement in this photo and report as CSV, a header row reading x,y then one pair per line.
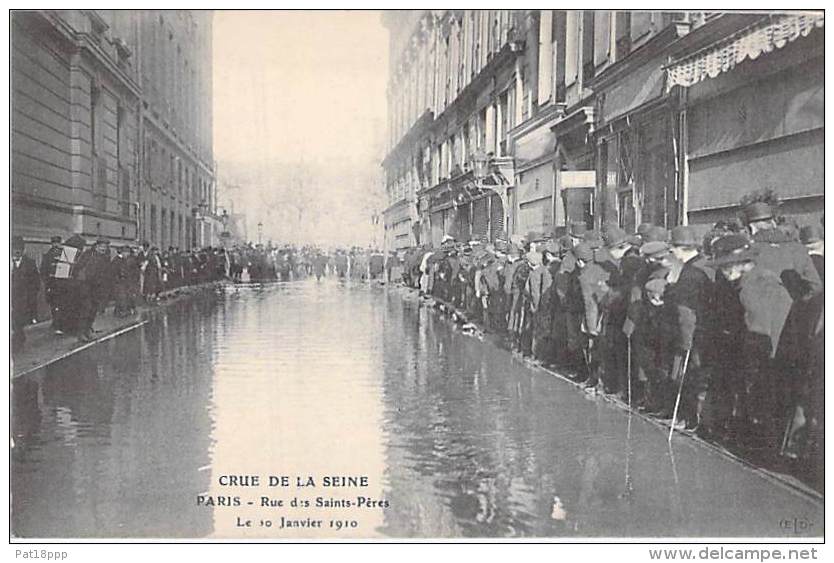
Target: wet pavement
x,y
451,436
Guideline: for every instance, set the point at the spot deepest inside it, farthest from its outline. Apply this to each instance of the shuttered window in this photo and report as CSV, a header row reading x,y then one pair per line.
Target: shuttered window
x,y
602,36
572,47
480,218
496,209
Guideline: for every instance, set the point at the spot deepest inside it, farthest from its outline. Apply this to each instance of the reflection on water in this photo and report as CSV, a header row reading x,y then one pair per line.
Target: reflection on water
x,y
479,445
327,379
108,442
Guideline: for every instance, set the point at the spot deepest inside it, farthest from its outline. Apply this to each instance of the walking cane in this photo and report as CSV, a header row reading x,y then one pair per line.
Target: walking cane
x,y
629,373
788,426
678,400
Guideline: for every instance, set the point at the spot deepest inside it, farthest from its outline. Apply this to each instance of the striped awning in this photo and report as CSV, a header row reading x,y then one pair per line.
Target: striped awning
x,y
762,37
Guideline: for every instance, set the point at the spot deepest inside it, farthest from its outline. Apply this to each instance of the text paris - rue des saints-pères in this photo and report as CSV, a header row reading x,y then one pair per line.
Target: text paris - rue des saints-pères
x,y
299,482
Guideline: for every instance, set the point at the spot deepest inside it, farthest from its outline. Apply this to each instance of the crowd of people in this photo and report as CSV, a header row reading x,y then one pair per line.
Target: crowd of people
x,y
79,281
284,263
720,334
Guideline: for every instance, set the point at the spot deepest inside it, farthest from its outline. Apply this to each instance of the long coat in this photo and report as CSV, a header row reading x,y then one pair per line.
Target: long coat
x,y
25,286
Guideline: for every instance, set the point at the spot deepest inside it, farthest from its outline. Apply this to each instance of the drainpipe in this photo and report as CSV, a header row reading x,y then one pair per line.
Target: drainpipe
x,y
683,141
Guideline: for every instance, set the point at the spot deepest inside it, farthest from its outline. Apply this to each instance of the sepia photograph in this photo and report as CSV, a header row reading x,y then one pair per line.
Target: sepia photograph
x,y
424,275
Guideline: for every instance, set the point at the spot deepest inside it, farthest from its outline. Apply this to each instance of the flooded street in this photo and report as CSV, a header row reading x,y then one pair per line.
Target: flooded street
x,y
129,438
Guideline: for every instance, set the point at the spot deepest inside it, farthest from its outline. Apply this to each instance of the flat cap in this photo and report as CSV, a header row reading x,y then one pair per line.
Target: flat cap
x,y
656,286
654,249
729,244
614,236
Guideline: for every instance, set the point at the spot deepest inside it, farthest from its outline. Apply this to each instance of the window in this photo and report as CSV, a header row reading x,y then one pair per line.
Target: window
x,y
588,67
95,100
602,37
623,35
641,24
120,119
558,33
571,47
505,122
526,100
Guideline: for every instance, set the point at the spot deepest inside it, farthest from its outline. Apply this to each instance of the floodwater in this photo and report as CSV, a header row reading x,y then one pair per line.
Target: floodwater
x,y
304,386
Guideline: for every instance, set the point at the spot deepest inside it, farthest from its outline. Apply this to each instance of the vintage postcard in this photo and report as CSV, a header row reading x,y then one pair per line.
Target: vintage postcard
x,y
417,275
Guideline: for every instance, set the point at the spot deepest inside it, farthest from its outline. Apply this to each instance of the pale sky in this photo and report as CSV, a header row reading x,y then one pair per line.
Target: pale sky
x,y
310,83
300,87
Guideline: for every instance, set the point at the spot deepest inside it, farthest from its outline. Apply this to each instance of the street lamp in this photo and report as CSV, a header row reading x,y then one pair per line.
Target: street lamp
x,y
260,231
481,159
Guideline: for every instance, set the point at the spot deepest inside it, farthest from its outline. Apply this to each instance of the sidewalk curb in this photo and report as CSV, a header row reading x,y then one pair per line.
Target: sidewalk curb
x,y
145,311
84,346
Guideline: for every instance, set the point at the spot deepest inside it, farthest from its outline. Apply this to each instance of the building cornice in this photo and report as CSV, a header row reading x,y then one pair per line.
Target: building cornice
x,y
83,42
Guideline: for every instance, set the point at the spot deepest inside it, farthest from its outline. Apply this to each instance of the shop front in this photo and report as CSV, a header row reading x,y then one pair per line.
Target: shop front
x,y
464,208
754,118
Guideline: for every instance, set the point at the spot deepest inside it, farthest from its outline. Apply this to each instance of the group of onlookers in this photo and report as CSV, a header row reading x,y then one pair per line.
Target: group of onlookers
x,y
79,281
721,334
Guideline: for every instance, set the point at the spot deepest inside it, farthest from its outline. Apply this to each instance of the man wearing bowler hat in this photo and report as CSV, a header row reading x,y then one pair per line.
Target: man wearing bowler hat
x,y
778,252
25,284
691,300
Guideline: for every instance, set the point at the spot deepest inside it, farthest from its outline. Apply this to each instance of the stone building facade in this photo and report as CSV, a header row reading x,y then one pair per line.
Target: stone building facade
x,y
87,102
503,122
176,150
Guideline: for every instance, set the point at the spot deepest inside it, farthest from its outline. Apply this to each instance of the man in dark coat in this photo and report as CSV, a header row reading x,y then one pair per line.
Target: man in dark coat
x,y
93,274
766,303
120,273
569,317
25,286
54,288
690,297
614,305
319,265
780,253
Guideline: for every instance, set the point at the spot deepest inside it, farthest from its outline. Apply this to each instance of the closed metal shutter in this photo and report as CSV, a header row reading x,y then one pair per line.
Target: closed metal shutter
x,y
496,218
480,218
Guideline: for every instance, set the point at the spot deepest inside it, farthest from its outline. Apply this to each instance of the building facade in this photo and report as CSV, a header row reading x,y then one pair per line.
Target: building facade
x,y
176,149
503,122
94,93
